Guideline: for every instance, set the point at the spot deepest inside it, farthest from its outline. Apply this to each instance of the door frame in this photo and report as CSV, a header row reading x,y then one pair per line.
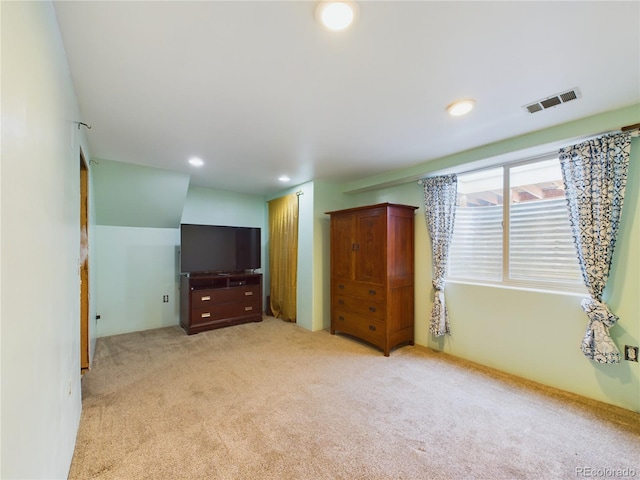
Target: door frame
x,y
84,263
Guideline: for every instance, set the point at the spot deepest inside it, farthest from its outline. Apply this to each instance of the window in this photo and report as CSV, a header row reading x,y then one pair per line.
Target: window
x,y
512,227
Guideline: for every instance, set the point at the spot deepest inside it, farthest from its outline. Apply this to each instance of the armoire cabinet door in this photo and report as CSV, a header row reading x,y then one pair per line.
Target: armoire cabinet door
x,y
342,246
371,244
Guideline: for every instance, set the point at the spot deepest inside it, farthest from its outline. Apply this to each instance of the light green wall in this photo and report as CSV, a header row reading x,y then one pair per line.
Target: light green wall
x,y
534,334
136,268
208,206
327,197
137,196
40,250
304,300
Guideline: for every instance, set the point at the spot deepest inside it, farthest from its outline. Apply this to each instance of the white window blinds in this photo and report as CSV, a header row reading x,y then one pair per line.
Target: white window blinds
x,y
476,247
541,245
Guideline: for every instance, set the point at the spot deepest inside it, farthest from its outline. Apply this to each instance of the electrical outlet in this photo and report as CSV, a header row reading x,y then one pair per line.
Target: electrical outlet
x,y
631,353
165,299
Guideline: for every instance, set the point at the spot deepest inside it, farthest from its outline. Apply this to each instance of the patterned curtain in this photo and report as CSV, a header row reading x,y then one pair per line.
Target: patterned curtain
x,y
440,209
595,176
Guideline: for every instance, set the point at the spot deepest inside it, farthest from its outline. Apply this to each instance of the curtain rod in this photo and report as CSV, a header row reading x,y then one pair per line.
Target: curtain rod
x,y
526,159
633,129
299,192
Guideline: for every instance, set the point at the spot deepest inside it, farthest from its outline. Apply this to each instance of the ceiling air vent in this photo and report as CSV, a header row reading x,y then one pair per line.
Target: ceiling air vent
x,y
553,101
534,107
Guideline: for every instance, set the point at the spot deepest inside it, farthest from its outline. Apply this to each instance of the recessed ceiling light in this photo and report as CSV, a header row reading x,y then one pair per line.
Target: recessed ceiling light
x,y
284,178
461,107
336,15
196,162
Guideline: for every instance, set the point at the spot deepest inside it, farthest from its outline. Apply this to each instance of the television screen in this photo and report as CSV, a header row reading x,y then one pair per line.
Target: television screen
x,y
247,248
221,249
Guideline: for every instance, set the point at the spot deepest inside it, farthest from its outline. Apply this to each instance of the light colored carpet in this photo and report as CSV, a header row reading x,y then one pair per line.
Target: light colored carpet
x,y
271,400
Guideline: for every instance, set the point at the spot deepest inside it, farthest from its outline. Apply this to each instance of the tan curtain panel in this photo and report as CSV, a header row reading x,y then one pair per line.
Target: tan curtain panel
x,y
283,255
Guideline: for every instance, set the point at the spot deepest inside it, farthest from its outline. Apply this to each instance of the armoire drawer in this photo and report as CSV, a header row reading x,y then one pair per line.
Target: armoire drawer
x,y
362,306
372,293
360,326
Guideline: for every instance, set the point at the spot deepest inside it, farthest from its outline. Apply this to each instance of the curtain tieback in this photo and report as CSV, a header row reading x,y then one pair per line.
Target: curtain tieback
x,y
439,319
597,344
598,312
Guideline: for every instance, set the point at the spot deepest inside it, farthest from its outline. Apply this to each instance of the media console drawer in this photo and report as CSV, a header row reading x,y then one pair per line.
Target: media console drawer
x,y
223,295
208,302
224,311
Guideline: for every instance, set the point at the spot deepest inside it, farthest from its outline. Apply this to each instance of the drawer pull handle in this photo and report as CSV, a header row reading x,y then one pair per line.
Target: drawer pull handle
x,y
341,302
205,299
341,287
372,309
248,294
372,292
340,317
205,315
372,328
248,309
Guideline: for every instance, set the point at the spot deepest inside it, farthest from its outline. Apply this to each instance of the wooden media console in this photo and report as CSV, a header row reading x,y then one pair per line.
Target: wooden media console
x,y
215,301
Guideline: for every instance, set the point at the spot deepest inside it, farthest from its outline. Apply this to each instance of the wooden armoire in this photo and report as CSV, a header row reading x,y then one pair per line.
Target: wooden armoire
x,y
372,271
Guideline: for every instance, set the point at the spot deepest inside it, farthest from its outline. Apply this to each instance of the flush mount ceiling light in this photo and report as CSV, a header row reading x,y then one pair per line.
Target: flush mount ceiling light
x,y
284,178
461,107
336,15
196,162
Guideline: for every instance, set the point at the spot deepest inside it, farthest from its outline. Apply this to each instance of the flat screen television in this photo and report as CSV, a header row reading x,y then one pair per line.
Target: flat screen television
x,y
219,249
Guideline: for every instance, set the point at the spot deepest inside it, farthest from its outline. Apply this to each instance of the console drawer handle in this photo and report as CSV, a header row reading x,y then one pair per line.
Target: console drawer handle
x,y
248,293
372,328
372,292
341,302
341,287
205,299
205,315
248,309
340,317
372,309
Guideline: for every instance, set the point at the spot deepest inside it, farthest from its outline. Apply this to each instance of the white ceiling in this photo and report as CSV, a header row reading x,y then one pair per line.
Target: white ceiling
x,y
259,89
